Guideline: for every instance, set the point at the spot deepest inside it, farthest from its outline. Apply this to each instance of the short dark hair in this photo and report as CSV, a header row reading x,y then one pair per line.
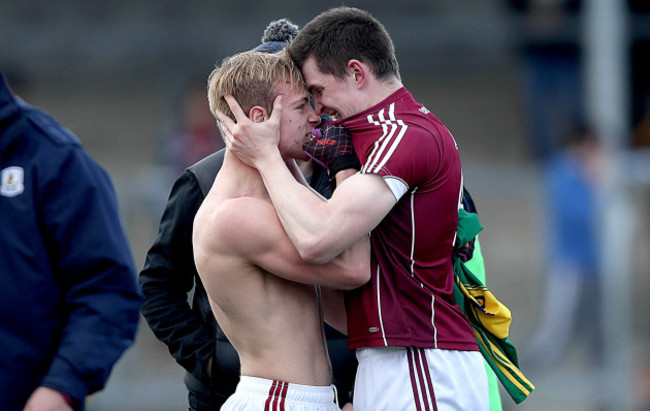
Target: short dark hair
x,y
341,34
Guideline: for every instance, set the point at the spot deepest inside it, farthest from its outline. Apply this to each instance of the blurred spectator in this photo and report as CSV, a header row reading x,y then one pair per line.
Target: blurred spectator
x,y
69,302
549,54
641,131
189,135
568,306
640,88
640,67
192,132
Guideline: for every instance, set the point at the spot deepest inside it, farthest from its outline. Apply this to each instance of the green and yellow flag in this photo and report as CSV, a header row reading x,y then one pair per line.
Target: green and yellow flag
x,y
490,319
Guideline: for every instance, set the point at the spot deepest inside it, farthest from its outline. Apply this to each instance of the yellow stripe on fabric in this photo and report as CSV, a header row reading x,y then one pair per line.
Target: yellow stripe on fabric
x,y
505,366
512,369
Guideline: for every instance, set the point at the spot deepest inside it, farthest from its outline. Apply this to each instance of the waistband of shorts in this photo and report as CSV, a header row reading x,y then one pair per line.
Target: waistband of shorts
x,y
294,392
368,353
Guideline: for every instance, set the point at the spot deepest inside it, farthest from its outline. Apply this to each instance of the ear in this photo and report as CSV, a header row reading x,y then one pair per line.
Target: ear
x,y
359,72
258,114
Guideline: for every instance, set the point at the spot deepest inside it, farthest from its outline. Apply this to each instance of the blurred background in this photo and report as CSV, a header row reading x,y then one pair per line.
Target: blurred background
x,y
549,101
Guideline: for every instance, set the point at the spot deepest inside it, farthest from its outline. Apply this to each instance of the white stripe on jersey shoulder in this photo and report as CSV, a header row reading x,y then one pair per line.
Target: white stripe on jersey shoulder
x,y
393,132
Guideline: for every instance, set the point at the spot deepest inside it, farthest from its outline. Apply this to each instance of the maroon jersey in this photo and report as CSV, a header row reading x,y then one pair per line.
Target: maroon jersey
x,y
408,301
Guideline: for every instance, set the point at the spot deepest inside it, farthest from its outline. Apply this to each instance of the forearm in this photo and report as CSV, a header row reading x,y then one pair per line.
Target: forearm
x,y
169,315
303,214
100,295
166,307
103,319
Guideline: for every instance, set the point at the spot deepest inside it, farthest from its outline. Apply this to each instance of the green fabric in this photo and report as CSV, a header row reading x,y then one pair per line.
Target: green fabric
x,y
477,266
489,318
476,263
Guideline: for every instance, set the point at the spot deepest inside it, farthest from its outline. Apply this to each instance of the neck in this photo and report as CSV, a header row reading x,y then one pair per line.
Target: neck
x,y
240,179
379,90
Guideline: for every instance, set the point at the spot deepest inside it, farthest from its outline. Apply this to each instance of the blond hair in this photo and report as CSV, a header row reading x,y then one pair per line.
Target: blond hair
x,y
254,79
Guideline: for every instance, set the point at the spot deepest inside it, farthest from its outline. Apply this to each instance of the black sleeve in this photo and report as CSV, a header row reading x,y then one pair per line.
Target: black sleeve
x,y
168,276
468,202
320,180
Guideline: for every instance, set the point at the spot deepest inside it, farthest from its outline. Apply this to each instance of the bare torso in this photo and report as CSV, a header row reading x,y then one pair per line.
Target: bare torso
x,y
275,325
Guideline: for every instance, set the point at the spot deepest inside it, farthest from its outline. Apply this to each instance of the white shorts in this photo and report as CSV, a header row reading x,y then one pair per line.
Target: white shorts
x,y
254,394
417,379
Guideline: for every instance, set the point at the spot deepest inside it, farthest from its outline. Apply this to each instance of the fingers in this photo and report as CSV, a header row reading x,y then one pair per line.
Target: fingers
x,y
234,106
227,123
225,127
277,109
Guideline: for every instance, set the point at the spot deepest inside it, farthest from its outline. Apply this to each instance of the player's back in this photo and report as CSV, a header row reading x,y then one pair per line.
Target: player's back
x,y
274,324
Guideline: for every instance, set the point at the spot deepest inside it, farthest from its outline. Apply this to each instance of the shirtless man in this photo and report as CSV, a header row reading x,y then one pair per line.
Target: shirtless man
x,y
415,346
260,287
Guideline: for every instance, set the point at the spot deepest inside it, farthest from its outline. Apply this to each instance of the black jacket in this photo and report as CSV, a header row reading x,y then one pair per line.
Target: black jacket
x,y
192,334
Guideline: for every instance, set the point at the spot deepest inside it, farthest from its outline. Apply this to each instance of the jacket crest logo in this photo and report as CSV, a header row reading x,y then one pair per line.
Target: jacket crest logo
x,y
12,181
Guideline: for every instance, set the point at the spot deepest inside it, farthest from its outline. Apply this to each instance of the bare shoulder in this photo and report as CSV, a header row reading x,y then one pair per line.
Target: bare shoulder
x,y
235,225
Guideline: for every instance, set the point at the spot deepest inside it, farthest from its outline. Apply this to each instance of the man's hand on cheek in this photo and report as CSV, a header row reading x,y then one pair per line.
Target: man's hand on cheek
x,y
251,142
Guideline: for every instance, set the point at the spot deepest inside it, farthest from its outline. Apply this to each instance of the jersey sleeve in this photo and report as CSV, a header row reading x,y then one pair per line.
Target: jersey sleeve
x,y
405,157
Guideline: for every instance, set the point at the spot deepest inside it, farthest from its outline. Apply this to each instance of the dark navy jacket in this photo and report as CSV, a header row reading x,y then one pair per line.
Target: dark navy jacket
x,y
69,301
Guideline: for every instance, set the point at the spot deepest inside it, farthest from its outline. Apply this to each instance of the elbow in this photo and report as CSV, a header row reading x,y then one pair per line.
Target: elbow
x,y
355,276
314,256
314,251
346,271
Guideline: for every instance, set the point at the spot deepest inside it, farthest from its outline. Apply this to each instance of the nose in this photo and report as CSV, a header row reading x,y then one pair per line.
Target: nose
x,y
314,118
318,107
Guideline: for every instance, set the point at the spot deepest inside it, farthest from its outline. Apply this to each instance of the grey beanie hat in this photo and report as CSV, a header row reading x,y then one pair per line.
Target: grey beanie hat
x,y
277,35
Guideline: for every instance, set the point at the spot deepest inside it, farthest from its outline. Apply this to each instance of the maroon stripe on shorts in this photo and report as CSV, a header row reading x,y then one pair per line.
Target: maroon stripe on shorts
x,y
427,378
414,378
423,394
277,396
283,394
270,401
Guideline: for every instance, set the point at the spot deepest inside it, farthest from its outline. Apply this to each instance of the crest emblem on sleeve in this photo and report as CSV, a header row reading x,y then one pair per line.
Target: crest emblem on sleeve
x,y
12,182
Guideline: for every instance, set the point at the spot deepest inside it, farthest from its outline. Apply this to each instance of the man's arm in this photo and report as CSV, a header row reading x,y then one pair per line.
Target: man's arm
x,y
250,230
319,229
88,246
167,278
